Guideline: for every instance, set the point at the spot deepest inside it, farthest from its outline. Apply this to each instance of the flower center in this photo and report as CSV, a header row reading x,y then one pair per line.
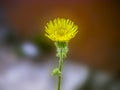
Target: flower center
x,y
61,31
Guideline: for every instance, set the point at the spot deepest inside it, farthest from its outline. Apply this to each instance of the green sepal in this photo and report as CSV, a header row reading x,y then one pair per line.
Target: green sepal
x,y
64,47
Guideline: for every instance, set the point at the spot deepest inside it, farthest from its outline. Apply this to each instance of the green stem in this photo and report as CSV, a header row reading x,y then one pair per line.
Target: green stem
x,y
60,68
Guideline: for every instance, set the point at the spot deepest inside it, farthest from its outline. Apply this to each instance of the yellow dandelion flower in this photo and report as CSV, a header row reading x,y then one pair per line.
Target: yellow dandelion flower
x,y
61,30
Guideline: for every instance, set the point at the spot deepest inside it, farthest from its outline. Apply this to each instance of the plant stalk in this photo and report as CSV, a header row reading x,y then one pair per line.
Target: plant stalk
x,y
60,68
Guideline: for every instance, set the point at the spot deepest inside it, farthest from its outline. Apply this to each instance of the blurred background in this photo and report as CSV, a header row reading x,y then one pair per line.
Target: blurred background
x,y
27,57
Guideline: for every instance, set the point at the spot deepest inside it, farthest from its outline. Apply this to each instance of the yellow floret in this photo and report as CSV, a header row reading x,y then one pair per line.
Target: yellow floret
x,y
61,30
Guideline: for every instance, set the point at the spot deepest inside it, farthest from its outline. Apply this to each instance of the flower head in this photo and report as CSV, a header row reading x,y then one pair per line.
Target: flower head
x,y
61,30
